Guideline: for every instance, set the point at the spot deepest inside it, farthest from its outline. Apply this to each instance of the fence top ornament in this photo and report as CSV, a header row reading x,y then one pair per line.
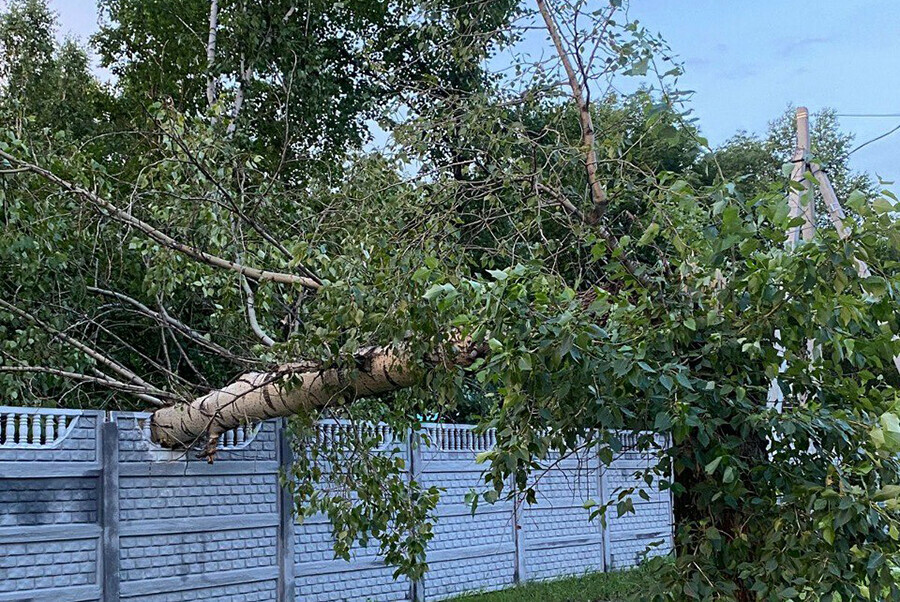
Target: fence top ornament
x,y
35,428
46,428
459,437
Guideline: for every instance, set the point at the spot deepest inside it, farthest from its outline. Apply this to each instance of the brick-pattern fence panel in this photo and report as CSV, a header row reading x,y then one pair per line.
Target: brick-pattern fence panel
x,y
648,531
50,508
319,576
193,530
558,537
91,509
322,578
468,552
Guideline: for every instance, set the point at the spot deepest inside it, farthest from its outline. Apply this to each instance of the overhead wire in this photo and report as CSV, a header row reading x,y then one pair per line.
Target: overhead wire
x,y
876,139
874,116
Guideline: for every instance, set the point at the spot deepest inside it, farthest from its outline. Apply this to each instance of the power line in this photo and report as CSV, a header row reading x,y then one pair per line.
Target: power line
x,y
874,115
876,139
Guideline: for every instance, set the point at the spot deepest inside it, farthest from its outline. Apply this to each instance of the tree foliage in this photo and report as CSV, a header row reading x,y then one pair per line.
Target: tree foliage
x,y
673,310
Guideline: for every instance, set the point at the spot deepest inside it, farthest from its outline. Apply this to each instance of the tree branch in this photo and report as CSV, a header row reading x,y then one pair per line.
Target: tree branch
x,y
90,352
211,52
598,193
163,317
251,314
604,233
159,236
238,104
104,381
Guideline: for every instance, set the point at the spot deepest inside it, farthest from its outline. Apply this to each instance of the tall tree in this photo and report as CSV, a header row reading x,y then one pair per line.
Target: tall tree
x,y
300,80
515,237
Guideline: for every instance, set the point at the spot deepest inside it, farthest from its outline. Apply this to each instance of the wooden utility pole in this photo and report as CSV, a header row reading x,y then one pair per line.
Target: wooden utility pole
x,y
801,202
800,198
836,213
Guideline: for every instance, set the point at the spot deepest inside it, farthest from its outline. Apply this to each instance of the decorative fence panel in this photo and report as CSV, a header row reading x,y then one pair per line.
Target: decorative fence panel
x,y
558,538
468,552
192,530
647,532
91,509
50,505
319,577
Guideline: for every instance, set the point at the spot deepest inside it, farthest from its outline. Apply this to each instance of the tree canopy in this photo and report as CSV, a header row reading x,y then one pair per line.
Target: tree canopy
x,y
385,211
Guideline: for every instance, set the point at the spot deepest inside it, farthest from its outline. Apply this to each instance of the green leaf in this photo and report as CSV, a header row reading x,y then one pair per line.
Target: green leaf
x,y
711,467
788,593
875,286
483,457
882,205
887,437
666,381
648,235
639,68
683,380
828,534
856,200
525,363
888,492
663,422
729,475
438,290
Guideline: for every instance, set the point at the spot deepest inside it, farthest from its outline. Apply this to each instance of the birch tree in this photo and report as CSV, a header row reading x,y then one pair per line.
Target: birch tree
x,y
224,247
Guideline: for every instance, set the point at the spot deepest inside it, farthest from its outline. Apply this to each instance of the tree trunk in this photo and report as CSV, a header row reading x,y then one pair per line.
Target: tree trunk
x,y
290,389
598,193
211,52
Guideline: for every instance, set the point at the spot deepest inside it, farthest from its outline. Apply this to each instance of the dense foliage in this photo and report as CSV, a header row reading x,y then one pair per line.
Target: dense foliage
x,y
468,214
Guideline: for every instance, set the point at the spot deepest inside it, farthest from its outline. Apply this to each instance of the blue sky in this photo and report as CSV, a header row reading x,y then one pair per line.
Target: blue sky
x,y
747,59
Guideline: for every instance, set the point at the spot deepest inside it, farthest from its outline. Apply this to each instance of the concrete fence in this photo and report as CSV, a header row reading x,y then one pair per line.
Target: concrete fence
x,y
91,509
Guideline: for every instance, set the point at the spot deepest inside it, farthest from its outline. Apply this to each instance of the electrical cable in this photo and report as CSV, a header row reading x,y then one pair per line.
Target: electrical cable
x,y
874,115
876,139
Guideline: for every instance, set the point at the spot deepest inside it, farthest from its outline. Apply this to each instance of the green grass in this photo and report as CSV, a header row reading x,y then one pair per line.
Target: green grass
x,y
591,587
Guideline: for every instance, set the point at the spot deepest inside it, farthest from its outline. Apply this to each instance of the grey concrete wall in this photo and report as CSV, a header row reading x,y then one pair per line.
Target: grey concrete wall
x,y
90,509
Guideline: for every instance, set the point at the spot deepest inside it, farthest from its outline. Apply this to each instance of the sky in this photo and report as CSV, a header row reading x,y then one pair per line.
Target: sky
x,y
747,60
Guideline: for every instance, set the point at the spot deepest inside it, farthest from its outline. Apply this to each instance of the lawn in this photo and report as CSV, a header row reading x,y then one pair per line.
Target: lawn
x,y
592,587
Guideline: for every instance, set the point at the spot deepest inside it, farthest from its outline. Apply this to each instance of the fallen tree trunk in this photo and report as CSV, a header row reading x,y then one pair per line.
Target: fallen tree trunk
x,y
287,390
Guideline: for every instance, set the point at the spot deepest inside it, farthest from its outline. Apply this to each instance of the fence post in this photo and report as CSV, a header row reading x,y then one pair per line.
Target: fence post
x,y
604,523
285,504
413,467
520,574
109,508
